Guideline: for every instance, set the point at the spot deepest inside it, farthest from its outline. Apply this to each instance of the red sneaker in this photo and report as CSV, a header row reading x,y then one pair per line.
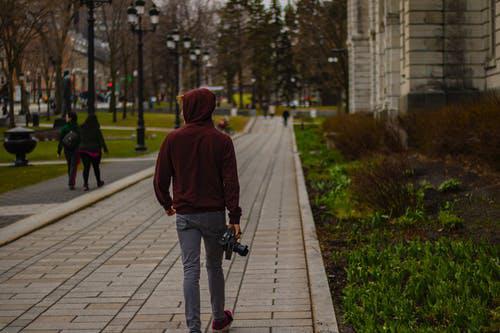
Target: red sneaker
x,y
223,325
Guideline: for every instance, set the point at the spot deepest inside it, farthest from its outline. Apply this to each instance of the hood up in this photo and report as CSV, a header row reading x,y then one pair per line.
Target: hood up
x,y
198,106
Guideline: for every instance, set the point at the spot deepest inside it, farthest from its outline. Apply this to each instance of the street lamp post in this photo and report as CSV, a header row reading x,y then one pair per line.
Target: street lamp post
x,y
91,6
135,13
335,59
39,91
254,81
195,58
206,58
173,41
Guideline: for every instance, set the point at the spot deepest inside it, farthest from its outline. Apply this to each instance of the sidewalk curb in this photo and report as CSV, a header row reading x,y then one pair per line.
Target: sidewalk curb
x,y
37,221
323,313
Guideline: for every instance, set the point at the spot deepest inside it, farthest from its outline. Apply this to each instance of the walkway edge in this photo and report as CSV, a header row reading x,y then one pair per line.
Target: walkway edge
x,y
247,129
323,313
37,221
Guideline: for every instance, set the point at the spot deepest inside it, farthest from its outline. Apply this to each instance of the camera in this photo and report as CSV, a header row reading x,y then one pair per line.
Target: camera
x,y
230,245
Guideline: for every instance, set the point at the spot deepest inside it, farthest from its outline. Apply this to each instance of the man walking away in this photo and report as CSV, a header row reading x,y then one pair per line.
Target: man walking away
x,y
286,115
201,162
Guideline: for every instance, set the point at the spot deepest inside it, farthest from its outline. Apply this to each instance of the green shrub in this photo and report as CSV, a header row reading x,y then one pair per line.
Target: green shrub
x,y
450,185
411,216
383,184
357,135
450,220
445,286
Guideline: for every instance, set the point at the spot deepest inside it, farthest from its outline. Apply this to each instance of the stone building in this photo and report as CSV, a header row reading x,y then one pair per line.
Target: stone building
x,y
413,54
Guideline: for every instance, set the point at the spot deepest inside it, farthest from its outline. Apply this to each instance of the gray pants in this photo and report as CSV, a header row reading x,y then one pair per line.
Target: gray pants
x,y
190,229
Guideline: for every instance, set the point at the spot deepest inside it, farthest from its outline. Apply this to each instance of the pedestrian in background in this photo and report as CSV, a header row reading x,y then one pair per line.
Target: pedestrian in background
x,y
286,115
69,140
91,146
272,110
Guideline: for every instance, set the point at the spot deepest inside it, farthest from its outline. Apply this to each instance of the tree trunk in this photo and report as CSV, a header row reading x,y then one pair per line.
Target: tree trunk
x,y
47,91
58,84
12,120
112,101
240,85
125,97
229,82
172,97
125,85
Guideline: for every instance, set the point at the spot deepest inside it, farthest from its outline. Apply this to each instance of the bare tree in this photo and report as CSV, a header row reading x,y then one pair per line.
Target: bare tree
x,y
114,21
55,35
19,24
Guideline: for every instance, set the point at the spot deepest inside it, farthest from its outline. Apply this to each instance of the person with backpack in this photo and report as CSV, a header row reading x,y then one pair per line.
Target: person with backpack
x,y
69,140
91,147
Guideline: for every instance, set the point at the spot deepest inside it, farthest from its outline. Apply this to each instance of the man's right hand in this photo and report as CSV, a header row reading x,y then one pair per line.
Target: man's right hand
x,y
236,229
170,211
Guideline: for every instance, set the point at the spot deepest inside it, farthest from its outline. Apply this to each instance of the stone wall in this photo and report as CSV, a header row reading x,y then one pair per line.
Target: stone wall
x,y
410,54
359,56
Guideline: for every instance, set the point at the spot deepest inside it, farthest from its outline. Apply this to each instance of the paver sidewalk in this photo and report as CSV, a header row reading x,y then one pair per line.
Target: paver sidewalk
x,y
20,203
115,267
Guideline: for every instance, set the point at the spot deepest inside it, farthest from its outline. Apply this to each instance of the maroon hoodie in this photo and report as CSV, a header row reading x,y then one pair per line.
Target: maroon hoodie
x,y
200,161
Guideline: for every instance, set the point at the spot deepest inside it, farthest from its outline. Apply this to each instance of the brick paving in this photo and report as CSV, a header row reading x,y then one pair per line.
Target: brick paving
x,y
56,190
115,266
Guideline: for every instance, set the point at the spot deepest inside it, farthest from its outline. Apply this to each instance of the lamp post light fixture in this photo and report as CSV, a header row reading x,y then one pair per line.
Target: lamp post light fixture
x,y
91,6
135,14
173,44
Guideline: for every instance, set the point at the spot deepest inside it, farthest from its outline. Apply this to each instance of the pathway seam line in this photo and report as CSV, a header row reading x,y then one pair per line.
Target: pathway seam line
x,y
324,319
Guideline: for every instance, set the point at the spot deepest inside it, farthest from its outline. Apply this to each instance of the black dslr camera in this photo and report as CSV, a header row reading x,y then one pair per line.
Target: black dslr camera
x,y
230,245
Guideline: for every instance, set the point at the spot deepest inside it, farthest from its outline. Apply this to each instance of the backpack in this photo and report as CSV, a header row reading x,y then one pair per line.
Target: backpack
x,y
70,140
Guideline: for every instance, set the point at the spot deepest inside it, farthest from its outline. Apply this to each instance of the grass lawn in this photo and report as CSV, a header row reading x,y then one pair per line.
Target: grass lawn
x,y
13,178
423,271
161,120
120,144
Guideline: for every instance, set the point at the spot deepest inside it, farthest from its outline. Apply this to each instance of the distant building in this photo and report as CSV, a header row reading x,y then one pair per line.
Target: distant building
x,y
412,54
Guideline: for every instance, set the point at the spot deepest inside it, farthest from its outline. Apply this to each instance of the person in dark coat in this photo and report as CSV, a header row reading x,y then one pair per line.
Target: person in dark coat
x,y
286,115
69,140
91,146
200,163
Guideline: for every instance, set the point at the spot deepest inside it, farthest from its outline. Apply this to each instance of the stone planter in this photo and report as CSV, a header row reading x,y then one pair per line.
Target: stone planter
x,y
18,141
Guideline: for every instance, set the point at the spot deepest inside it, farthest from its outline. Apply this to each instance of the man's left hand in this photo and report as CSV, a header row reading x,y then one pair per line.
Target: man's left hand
x,y
170,211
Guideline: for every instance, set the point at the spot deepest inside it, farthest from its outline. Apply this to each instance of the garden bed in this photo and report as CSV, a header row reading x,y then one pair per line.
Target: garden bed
x,y
432,265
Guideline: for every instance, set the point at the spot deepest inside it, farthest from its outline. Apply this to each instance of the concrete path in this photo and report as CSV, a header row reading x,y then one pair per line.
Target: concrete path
x,y
115,267
35,198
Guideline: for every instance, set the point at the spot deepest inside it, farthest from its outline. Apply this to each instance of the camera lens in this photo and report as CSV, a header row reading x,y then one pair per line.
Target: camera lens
x,y
242,250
